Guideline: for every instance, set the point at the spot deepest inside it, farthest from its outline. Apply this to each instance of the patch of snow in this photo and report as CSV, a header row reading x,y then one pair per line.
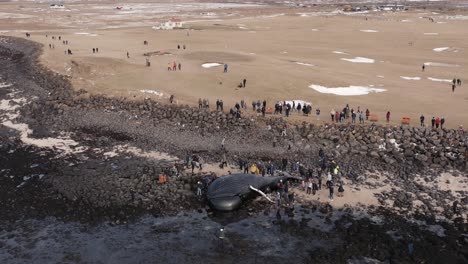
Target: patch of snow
x,y
380,76
210,65
441,49
339,52
410,78
359,60
346,91
304,64
431,34
152,92
369,30
439,64
296,102
439,80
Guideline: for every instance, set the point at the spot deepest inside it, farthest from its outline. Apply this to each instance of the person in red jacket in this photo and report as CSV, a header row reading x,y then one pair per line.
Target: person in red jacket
x,y
367,114
437,122
388,116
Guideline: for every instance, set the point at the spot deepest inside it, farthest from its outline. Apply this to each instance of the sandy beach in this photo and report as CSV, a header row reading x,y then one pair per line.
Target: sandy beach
x,y
372,59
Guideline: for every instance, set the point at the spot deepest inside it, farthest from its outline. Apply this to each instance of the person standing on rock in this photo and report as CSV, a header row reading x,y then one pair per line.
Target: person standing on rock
x,y
244,82
421,119
317,113
338,116
253,105
225,68
353,117
367,114
442,122
171,99
200,103
433,122
361,117
222,142
314,186
199,189
437,123
388,116
309,186
423,67
221,105
331,189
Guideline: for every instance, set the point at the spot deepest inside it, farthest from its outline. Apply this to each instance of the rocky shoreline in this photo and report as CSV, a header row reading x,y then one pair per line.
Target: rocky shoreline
x,y
87,182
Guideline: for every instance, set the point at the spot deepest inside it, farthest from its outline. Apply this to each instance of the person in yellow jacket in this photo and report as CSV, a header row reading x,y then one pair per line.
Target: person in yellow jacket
x,y
254,169
336,170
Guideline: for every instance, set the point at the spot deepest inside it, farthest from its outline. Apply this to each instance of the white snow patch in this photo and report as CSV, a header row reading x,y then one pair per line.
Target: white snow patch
x,y
406,20
304,64
359,60
152,92
410,78
296,102
380,76
441,49
63,143
369,30
4,85
431,34
439,64
346,91
315,29
339,52
210,65
439,80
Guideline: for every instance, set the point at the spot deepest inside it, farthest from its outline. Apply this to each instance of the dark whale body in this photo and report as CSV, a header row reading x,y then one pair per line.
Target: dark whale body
x,y
226,193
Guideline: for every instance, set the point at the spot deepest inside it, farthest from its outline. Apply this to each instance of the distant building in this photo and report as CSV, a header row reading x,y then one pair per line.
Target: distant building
x,y
394,7
173,23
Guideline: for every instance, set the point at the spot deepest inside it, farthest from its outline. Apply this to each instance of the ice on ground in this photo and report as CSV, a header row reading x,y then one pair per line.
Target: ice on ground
x,y
431,34
359,60
152,92
439,80
339,52
441,49
369,30
410,78
346,91
439,64
4,85
304,64
296,102
456,17
210,65
63,143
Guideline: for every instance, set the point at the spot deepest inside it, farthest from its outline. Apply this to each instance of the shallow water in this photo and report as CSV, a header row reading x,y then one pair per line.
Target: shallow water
x,y
190,236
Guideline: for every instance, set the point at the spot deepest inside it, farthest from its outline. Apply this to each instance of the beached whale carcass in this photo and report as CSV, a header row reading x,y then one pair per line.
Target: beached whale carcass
x,y
227,193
